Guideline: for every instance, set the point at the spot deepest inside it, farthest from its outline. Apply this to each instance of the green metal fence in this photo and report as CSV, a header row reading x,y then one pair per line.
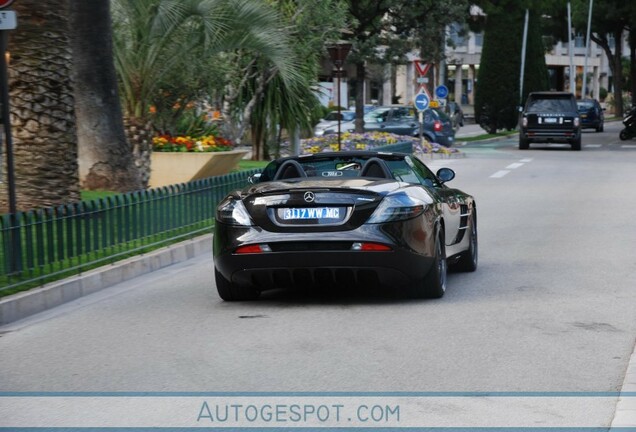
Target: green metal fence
x,y
42,245
47,244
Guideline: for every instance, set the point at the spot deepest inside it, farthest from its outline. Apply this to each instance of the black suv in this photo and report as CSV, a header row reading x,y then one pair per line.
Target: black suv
x,y
550,117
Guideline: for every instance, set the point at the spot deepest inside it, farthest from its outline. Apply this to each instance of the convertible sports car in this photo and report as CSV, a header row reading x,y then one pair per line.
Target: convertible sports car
x,y
335,220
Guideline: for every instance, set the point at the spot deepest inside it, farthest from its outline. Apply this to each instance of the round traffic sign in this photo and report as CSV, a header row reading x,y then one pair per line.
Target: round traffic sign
x,y
421,101
441,91
5,3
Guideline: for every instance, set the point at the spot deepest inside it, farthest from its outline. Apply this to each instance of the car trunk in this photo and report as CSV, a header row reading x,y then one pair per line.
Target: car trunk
x,y
315,205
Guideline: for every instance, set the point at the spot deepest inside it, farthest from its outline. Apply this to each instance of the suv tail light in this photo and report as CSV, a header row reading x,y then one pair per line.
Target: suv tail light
x,y
437,126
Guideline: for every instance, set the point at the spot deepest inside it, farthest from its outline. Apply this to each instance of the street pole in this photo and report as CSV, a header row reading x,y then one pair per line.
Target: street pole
x,y
571,53
587,49
338,69
338,53
523,58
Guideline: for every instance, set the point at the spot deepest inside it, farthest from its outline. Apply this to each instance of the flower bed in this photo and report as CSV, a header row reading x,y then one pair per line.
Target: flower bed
x,y
183,159
368,141
208,143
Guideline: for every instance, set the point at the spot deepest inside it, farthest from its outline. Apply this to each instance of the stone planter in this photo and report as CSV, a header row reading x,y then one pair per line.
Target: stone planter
x,y
168,168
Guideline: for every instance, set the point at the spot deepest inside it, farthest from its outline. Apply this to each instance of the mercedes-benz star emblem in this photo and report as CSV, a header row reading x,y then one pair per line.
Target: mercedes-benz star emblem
x,y
309,196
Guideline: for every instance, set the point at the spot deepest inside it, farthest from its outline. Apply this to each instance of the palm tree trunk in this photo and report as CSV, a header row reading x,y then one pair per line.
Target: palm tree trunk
x,y
42,107
105,157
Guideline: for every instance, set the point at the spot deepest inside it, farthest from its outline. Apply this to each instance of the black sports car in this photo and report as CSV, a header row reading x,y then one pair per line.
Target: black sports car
x,y
335,220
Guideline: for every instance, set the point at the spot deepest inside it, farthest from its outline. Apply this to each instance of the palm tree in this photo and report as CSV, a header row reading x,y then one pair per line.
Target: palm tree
x,y
268,103
105,157
155,38
42,108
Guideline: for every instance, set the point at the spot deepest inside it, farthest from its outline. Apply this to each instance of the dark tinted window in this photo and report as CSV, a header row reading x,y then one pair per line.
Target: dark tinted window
x,y
344,116
550,104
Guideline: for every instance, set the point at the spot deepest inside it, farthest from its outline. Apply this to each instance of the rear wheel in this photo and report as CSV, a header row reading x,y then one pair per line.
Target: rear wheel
x,y
624,135
524,144
468,260
231,292
434,283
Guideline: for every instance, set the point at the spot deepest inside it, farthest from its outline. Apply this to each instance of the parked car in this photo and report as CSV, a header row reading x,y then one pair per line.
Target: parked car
x,y
550,117
403,120
366,108
456,114
331,121
592,114
336,220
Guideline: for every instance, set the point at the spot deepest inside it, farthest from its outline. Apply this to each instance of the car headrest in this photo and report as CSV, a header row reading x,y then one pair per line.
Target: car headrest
x,y
376,167
290,169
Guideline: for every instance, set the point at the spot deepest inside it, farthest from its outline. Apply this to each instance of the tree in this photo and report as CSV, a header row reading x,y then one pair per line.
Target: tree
x,y
155,39
497,95
424,23
292,105
42,107
369,33
383,32
610,20
105,156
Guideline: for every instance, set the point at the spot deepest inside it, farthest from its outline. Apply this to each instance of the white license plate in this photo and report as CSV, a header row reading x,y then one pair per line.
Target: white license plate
x,y
550,120
319,213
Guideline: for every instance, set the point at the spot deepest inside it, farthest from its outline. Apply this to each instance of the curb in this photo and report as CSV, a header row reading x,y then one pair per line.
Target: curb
x,y
625,413
24,304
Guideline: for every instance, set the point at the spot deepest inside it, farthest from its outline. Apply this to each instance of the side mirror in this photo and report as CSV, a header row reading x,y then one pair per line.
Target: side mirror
x,y
254,178
445,174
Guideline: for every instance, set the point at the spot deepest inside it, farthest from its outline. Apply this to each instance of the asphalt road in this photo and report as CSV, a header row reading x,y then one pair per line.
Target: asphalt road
x,y
552,307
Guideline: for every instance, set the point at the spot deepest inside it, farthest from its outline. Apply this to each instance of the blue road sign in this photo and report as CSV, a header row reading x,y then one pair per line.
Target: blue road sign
x,y
441,91
421,101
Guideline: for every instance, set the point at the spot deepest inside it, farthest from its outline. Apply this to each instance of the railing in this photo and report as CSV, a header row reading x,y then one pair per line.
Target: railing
x,y
47,244
42,245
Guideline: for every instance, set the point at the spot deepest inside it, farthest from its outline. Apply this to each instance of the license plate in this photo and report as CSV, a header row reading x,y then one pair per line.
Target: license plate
x,y
317,213
550,120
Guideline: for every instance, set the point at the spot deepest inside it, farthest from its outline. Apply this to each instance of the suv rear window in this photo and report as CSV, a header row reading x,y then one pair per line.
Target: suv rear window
x,y
550,105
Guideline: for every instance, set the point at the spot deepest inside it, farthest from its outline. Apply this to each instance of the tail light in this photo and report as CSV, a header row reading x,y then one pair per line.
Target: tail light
x,y
437,126
370,247
253,249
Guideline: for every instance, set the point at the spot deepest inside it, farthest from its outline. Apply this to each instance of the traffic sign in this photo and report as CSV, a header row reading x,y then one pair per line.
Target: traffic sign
x,y
421,68
8,20
5,3
441,91
421,101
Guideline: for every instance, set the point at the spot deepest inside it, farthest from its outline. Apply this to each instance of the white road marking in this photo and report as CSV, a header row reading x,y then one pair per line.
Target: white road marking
x,y
499,174
526,160
514,165
628,146
592,145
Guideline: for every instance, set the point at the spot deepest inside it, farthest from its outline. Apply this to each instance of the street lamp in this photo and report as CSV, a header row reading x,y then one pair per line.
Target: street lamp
x,y
338,53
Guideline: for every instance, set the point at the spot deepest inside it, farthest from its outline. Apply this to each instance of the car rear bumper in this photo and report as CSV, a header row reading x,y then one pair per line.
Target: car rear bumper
x,y
314,269
320,259
544,135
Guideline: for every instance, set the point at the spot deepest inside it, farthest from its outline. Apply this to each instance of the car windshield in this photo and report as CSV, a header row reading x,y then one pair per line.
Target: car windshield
x,y
344,116
550,105
378,115
585,105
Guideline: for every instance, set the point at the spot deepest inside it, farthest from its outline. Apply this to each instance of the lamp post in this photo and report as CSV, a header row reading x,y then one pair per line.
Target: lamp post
x,y
338,53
